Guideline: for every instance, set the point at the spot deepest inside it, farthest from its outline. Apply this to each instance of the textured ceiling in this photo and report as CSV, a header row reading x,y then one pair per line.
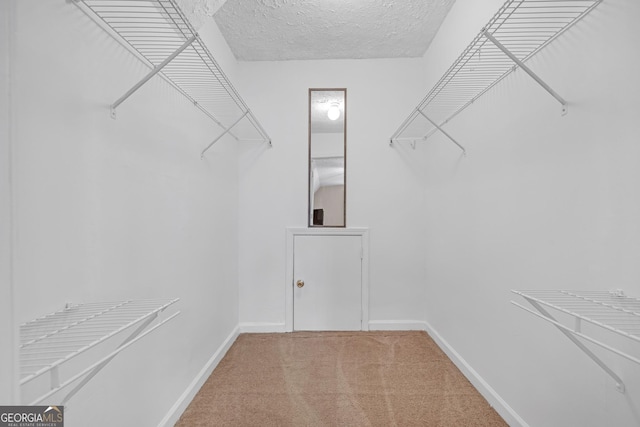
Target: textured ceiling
x,y
198,11
272,30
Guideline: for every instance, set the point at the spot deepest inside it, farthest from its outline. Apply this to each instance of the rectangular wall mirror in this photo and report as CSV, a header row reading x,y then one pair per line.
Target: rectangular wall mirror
x,y
327,157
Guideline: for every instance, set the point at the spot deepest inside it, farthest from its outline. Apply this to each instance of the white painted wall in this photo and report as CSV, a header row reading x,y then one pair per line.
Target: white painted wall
x,y
541,201
327,145
116,209
382,193
8,329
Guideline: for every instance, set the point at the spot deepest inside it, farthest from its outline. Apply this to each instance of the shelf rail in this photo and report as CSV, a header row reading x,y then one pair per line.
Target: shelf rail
x,y
612,311
160,35
519,30
49,342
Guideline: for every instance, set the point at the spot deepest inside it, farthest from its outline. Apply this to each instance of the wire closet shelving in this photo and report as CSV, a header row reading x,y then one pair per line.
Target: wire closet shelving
x,y
160,35
611,311
519,30
49,343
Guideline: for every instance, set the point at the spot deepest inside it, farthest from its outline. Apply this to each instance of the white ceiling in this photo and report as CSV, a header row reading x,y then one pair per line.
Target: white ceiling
x,y
319,105
329,170
198,11
273,30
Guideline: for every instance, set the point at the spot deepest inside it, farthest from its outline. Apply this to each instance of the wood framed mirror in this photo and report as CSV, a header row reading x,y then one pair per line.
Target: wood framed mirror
x,y
327,157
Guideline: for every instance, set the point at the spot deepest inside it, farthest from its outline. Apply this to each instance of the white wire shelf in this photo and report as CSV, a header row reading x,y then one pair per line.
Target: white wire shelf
x,y
159,33
611,311
49,342
519,30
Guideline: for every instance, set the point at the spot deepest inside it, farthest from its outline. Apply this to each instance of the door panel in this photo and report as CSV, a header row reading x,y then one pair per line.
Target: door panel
x,y
331,269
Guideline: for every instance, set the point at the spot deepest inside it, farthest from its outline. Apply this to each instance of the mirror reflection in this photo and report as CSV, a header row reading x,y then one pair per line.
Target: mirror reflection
x,y
327,154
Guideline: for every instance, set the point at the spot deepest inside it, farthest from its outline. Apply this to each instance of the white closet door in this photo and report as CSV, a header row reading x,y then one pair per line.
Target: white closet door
x,y
330,269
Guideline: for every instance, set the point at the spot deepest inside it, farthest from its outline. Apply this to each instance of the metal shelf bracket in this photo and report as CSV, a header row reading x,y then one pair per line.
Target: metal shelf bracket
x,y
49,342
615,313
94,371
227,130
527,70
464,152
152,73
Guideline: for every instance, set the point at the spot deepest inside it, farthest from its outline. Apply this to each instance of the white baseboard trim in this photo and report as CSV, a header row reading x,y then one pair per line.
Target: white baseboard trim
x,y
397,325
261,327
505,411
181,405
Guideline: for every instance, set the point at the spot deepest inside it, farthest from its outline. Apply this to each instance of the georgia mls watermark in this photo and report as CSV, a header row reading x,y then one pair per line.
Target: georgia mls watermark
x,y
31,416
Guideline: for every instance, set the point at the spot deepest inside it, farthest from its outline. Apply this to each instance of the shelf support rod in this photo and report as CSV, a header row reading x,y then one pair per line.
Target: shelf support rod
x,y
224,133
99,367
152,73
443,131
527,70
107,358
544,314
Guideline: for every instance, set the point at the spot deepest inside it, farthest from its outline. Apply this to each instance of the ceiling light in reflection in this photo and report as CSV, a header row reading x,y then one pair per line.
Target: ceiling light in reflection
x,y
334,111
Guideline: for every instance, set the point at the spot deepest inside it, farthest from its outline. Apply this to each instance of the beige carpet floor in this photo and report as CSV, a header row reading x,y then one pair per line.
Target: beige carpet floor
x,y
338,379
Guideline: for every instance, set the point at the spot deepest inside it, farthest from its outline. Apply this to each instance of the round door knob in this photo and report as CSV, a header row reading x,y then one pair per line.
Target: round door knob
x,y
300,283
